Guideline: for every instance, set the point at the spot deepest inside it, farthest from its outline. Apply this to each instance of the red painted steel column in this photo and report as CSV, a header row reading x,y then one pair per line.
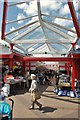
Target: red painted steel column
x,y
29,67
4,19
73,46
73,68
10,63
24,67
11,47
75,71
68,68
78,77
73,74
74,18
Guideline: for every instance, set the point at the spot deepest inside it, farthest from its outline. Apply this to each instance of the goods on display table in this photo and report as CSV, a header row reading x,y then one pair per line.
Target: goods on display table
x,y
64,87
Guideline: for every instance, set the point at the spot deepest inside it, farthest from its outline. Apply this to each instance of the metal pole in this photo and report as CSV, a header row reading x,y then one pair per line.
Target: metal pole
x,y
4,19
74,18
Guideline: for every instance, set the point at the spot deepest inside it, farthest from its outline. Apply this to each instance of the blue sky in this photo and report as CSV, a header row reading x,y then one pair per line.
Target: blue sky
x,y
1,12
28,9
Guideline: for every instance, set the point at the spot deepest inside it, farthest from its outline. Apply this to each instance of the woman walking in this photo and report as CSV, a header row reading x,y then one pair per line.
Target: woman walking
x,y
34,92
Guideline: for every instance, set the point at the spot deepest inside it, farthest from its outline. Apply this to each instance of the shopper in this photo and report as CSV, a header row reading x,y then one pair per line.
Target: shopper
x,y
34,92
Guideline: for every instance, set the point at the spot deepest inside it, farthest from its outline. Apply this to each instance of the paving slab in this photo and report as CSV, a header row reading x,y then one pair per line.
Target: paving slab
x,y
54,106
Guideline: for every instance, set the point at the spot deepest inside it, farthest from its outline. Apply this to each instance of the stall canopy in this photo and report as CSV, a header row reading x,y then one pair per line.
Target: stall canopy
x,y
41,28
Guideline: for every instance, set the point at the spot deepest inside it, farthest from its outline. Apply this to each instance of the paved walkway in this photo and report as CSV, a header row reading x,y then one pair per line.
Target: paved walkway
x,y
53,105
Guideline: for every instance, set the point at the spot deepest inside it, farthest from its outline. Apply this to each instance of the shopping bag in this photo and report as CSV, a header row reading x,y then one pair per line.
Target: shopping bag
x,y
6,89
36,95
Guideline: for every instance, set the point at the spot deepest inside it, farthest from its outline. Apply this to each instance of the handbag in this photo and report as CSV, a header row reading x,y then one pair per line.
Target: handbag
x,y
35,95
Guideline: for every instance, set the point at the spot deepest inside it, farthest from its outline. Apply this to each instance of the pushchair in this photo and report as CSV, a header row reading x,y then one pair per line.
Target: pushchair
x,y
6,109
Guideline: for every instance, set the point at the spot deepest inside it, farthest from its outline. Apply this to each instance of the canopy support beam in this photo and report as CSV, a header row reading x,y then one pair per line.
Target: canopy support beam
x,y
4,19
74,18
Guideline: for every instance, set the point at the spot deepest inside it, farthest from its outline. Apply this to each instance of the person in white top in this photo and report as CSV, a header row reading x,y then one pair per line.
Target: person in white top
x,y
34,92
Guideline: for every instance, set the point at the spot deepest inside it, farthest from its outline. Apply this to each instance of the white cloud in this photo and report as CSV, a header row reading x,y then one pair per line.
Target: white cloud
x,y
33,19
32,8
72,34
29,9
16,33
46,7
73,28
62,22
64,10
52,5
20,16
22,6
0,35
13,28
76,5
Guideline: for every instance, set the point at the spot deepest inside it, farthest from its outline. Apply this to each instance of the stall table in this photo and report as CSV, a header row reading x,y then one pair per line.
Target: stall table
x,y
64,86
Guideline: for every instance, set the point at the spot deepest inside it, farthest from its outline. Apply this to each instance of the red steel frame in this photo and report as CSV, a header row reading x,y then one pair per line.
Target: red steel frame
x,y
4,19
75,64
74,59
59,59
74,18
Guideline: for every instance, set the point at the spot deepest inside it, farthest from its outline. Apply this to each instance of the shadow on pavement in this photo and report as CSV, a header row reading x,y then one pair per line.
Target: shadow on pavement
x,y
62,99
48,109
